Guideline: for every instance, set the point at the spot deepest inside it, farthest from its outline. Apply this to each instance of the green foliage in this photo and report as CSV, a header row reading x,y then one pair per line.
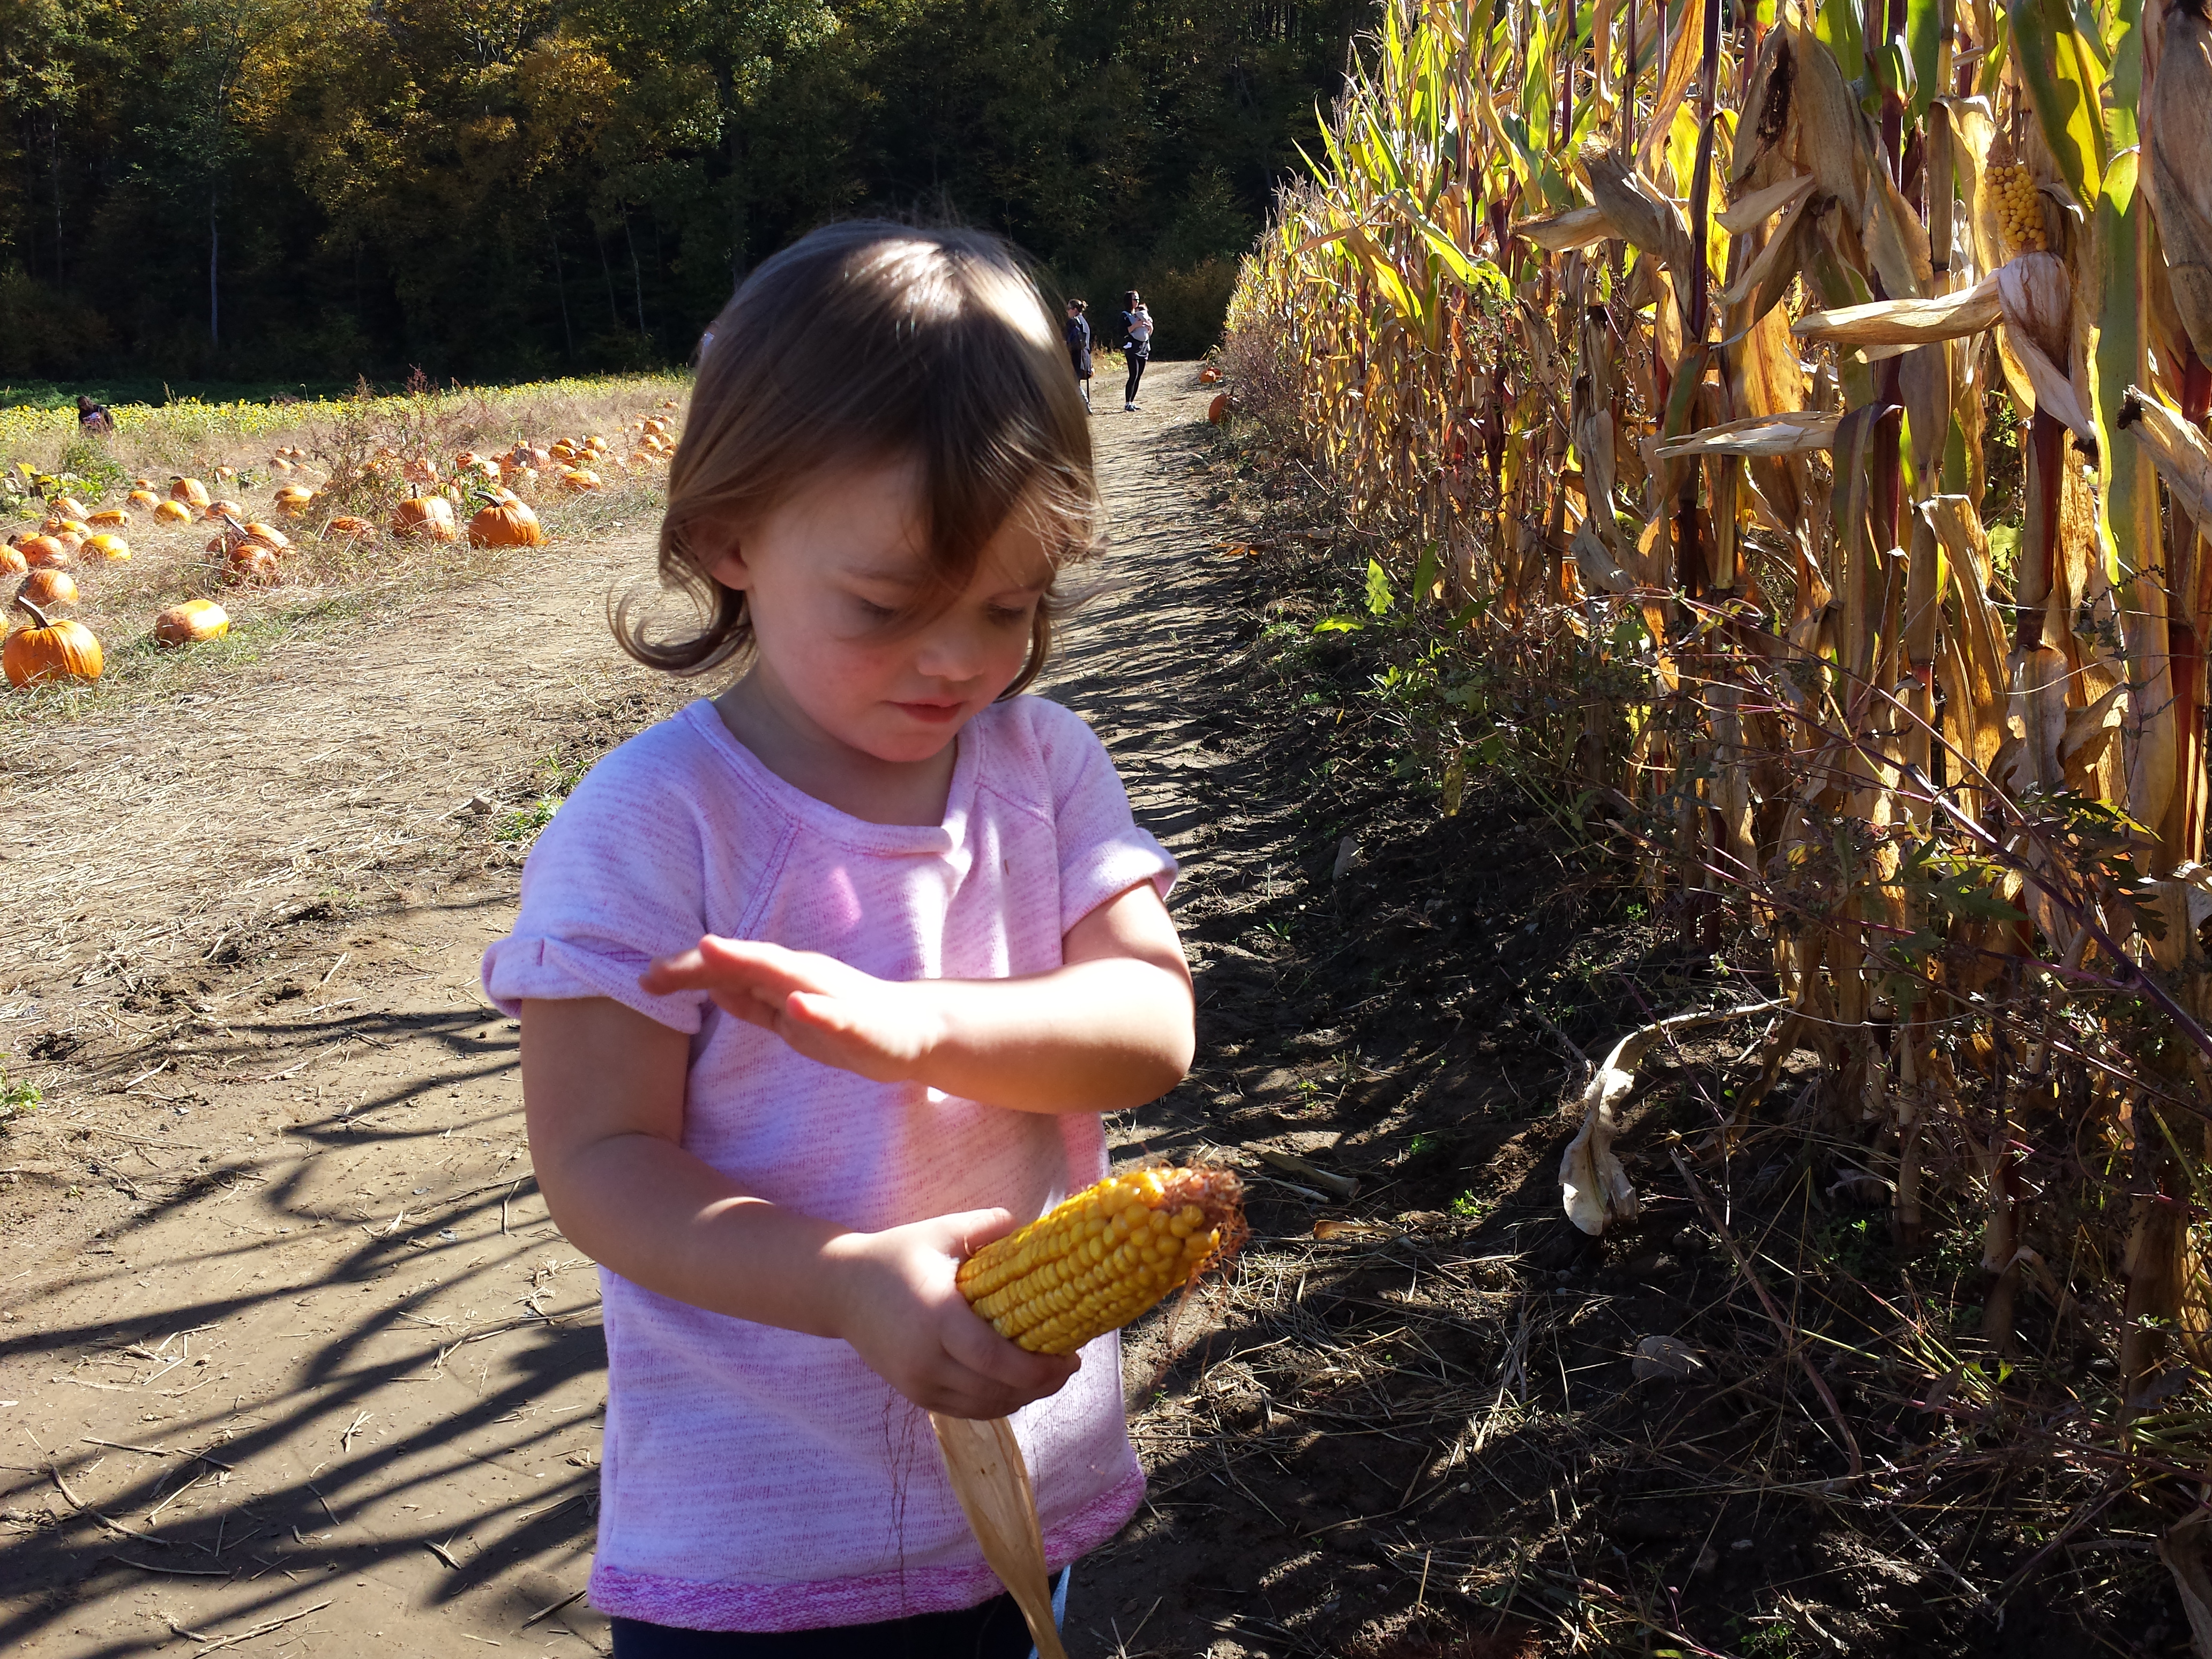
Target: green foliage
x,y
502,189
16,1099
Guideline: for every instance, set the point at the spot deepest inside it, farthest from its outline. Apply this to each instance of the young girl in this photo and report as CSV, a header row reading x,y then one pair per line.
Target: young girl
x,y
824,982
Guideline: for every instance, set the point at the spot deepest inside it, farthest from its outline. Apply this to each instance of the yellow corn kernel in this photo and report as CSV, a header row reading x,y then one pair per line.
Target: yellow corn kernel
x,y
1098,1261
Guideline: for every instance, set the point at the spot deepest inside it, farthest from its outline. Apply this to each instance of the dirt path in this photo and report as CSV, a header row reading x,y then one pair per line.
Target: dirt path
x,y
285,1332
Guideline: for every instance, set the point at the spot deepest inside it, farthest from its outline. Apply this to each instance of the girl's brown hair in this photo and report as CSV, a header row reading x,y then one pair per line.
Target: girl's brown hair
x,y
869,342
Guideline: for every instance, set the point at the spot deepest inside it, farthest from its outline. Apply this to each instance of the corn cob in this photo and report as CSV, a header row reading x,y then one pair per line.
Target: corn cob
x,y
1095,1262
2019,210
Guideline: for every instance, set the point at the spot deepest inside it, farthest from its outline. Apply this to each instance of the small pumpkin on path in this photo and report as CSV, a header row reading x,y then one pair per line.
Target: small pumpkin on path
x,y
193,622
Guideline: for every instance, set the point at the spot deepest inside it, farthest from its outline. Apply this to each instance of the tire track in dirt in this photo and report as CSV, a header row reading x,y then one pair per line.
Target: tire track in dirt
x,y
288,1333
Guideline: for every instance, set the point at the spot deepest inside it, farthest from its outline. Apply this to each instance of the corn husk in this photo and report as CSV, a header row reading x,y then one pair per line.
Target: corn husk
x,y
989,1477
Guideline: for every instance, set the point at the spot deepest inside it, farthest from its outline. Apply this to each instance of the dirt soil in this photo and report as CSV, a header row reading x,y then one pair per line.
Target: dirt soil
x,y
290,1351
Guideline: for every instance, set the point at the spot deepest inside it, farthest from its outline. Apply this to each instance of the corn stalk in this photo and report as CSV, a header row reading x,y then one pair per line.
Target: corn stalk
x,y
1681,336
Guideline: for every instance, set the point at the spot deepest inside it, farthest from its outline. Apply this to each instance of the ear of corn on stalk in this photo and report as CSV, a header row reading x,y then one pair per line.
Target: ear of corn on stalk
x,y
1095,1262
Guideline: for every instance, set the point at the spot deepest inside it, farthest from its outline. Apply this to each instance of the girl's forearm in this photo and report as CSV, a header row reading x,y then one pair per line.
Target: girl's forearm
x,y
1093,1036
664,1221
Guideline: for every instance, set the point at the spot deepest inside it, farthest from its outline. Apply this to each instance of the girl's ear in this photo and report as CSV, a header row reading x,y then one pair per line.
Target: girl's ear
x,y
720,554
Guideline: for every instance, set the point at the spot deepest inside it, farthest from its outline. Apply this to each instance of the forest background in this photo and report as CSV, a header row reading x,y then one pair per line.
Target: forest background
x,y
301,190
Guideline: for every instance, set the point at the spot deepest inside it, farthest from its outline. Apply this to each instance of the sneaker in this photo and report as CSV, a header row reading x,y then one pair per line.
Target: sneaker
x,y
1129,408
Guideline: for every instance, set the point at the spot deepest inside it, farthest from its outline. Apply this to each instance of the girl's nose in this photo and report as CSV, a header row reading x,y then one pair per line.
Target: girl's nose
x,y
950,650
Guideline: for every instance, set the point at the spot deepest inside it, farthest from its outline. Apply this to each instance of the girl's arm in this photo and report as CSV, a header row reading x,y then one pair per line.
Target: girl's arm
x,y
1110,1028
603,1088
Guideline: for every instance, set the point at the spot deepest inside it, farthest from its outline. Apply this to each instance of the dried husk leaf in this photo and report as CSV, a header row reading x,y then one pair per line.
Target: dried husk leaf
x,y
989,1477
2176,128
1560,232
2177,449
1905,322
1638,212
1761,205
1799,432
2037,297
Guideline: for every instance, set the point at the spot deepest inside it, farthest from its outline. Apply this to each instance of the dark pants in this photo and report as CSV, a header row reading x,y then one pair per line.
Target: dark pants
x,y
1136,374
994,1631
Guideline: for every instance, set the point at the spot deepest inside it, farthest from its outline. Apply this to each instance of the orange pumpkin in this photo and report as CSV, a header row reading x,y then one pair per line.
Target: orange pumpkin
x,y
251,564
223,472
49,650
66,506
347,526
48,587
46,552
278,463
190,491
193,622
113,518
579,478
224,509
506,524
12,562
173,513
426,515
143,498
111,548
1209,375
1218,410
293,499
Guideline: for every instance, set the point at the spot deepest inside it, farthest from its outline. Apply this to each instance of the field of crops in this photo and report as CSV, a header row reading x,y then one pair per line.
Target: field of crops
x,y
1785,428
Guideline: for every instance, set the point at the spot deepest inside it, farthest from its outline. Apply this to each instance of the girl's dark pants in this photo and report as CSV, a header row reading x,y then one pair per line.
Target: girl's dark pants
x,y
994,1631
1137,361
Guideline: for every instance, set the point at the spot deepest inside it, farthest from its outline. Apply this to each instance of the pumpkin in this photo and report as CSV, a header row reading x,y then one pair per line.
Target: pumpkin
x,y
278,463
597,445
193,622
48,587
113,518
293,498
224,509
190,491
111,548
579,478
563,452
276,538
226,472
49,650
46,552
142,484
426,515
1218,410
1209,375
655,426
347,526
12,563
173,513
251,564
65,507
506,524
524,475
143,498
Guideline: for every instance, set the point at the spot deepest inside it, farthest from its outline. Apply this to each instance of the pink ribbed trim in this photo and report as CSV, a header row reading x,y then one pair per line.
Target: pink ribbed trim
x,y
688,1604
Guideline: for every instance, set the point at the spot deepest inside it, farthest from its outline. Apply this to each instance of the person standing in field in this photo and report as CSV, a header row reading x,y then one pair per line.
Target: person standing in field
x,y
1137,344
824,981
1078,334
92,418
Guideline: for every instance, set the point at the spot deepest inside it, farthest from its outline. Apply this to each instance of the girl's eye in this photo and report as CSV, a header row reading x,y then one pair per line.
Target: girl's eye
x,y
1010,615
872,611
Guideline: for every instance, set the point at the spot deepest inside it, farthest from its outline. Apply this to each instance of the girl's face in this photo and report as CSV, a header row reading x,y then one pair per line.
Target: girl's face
x,y
826,574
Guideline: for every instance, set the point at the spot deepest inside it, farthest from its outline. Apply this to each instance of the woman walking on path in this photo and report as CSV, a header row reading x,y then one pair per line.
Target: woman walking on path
x,y
1077,333
1137,344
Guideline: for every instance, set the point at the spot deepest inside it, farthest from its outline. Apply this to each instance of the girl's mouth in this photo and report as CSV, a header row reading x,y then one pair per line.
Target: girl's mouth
x,y
932,713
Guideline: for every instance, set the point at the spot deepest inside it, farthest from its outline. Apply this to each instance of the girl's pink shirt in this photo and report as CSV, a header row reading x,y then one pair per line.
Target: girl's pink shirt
x,y
755,1479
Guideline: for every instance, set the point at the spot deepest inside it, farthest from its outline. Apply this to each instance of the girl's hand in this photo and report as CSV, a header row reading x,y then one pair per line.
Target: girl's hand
x,y
826,1010
896,1303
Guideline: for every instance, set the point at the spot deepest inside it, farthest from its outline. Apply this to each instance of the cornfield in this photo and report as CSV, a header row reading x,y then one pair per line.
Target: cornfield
x,y
1812,401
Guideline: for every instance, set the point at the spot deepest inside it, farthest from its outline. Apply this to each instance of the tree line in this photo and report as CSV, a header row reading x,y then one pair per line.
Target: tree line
x,y
306,189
